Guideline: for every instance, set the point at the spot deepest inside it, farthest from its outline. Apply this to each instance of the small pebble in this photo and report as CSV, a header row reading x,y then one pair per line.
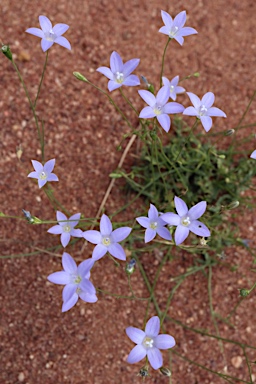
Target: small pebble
x,y
21,377
237,361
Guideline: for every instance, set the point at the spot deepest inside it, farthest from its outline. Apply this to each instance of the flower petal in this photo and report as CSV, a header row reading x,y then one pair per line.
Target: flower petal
x,y
213,111
45,23
153,213
173,107
33,174
148,97
181,234
68,291
199,229
180,19
206,122
60,277
253,155
149,235
112,85
52,177
120,234
67,305
63,42
129,66
153,326
167,19
164,233
135,334
74,219
144,221
179,39
194,100
190,111
181,206
116,63
131,81
76,232
38,167
105,225
106,72
171,218
197,211
147,113
84,267
155,358
87,286
46,44
187,31
49,165
165,30
68,263
164,342
137,354
88,297
36,32
61,218
99,251
65,238
117,251
41,182
208,99
92,236
165,121
163,95
55,230
59,29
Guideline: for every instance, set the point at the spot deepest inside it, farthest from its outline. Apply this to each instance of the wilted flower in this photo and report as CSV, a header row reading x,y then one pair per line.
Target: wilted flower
x,y
149,343
186,220
107,240
49,34
119,73
174,28
253,155
76,281
203,109
154,225
43,172
65,228
173,86
158,107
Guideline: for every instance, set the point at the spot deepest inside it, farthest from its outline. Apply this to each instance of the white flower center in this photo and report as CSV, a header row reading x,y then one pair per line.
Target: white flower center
x,y
202,110
148,342
153,225
106,241
157,109
66,228
78,279
172,88
119,77
42,175
173,32
50,36
185,221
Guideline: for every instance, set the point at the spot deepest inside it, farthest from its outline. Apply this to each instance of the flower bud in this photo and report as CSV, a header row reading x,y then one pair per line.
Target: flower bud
x,y
196,74
229,132
7,52
165,371
244,292
31,219
233,205
79,76
143,372
129,268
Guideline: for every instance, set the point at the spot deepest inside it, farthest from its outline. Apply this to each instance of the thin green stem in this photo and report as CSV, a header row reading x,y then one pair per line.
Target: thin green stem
x,y
42,78
163,58
128,101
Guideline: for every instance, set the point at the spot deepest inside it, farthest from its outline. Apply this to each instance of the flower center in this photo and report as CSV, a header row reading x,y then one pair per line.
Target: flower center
x,y
148,342
42,175
106,241
119,77
185,221
153,225
50,36
66,228
172,88
202,110
173,31
78,279
157,109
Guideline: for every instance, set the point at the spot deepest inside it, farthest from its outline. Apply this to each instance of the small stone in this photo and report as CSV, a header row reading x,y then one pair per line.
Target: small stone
x,y
21,377
237,361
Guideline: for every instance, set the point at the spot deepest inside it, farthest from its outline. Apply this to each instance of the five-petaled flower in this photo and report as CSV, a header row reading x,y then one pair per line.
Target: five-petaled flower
x,y
107,239
203,109
174,28
49,34
149,343
253,155
43,172
76,281
158,106
173,86
154,225
186,220
65,228
119,73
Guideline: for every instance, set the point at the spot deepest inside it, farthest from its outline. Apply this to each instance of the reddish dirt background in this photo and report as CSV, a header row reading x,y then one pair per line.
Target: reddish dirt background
x,y
88,344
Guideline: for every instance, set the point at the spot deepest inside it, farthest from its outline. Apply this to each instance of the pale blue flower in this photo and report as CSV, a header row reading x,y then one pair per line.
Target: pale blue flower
x,y
175,28
119,73
154,225
43,172
158,107
186,220
253,155
65,228
203,109
49,34
107,240
76,281
149,343
173,86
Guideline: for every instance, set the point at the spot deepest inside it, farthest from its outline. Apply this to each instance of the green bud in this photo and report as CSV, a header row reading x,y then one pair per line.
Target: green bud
x,y
233,205
229,132
2,214
115,175
151,88
196,74
130,266
143,372
165,371
79,76
244,292
7,52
